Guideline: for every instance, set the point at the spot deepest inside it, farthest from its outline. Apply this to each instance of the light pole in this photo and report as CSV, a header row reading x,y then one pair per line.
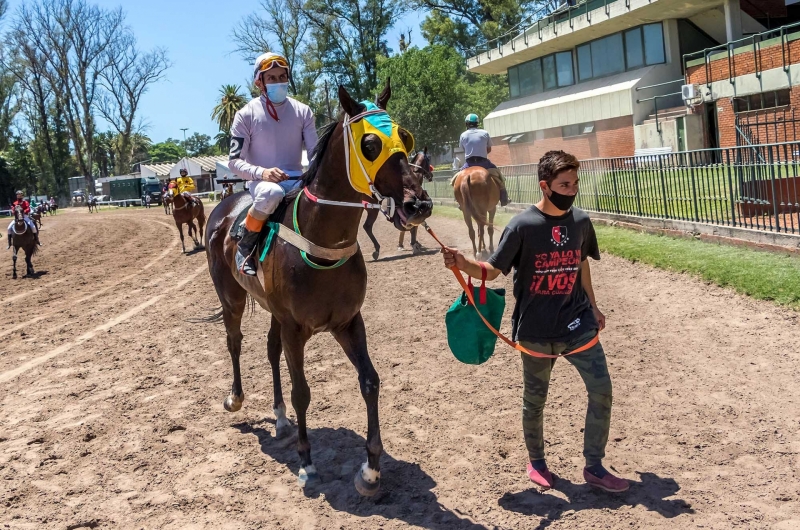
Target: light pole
x,y
185,153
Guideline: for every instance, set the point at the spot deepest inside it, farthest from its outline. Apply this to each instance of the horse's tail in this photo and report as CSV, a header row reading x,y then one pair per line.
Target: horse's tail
x,y
210,319
469,204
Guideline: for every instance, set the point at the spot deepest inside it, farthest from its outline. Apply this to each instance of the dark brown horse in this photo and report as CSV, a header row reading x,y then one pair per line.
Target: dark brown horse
x,y
22,237
184,213
478,195
305,300
420,167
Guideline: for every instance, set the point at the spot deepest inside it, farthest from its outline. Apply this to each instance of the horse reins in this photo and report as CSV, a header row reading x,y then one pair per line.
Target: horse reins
x,y
470,296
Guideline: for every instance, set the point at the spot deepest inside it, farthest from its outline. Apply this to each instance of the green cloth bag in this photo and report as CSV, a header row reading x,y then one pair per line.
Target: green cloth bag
x,y
468,337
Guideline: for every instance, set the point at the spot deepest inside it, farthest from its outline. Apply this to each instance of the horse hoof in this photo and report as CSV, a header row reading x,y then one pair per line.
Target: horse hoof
x,y
233,403
283,428
376,254
308,476
365,488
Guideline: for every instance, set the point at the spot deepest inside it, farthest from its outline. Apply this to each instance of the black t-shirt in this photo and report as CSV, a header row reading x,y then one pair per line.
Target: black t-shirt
x,y
546,253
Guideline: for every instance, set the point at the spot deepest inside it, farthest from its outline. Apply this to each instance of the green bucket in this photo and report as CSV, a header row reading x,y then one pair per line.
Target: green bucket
x,y
468,337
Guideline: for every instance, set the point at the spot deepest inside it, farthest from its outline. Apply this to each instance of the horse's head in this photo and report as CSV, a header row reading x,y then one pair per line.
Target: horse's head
x,y
377,160
19,217
421,165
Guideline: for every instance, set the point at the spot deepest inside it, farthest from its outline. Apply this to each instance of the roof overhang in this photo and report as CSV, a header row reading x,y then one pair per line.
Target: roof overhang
x,y
567,34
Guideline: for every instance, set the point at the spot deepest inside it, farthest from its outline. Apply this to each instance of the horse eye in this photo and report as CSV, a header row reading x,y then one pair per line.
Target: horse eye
x,y
371,146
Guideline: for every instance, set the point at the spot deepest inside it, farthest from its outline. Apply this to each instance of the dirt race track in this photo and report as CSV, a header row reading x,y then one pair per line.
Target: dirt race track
x,y
112,410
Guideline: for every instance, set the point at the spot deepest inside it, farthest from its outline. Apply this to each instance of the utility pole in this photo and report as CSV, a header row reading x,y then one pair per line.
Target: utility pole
x,y
185,153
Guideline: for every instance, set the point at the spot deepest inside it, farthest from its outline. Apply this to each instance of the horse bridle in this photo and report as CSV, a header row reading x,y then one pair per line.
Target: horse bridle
x,y
14,226
427,175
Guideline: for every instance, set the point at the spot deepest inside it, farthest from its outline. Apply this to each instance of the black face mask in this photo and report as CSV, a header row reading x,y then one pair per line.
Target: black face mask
x,y
562,202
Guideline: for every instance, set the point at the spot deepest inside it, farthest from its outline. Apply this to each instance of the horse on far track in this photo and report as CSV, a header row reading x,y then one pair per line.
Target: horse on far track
x,y
306,295
167,200
478,195
184,213
92,204
420,168
53,207
22,237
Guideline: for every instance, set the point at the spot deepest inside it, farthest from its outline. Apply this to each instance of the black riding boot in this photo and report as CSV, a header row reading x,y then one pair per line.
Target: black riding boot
x,y
503,197
245,261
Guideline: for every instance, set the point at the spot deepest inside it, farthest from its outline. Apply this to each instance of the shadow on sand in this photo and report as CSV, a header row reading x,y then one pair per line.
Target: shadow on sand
x,y
651,491
337,453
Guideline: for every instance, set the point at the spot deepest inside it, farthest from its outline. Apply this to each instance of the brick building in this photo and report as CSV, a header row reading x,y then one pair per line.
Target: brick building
x,y
602,78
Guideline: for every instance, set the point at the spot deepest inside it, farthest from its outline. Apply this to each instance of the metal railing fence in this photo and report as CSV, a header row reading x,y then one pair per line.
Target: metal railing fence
x,y
755,187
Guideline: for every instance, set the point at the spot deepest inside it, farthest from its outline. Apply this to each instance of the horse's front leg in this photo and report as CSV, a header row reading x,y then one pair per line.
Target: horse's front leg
x,y
416,248
294,340
372,214
14,261
274,349
353,339
180,231
29,265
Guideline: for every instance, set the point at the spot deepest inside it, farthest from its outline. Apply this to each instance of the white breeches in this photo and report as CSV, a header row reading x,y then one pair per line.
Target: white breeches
x,y
268,195
28,220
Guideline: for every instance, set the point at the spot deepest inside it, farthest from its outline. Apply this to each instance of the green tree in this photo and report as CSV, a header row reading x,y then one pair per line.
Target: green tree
x,y
429,93
465,24
231,100
169,150
198,145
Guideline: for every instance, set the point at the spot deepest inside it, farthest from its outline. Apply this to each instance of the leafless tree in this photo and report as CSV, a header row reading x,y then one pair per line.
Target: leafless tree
x,y
72,38
129,74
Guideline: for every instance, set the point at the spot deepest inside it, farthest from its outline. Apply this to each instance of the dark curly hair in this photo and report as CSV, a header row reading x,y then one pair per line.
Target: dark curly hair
x,y
553,163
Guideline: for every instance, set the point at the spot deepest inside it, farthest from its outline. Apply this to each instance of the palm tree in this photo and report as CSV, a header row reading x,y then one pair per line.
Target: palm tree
x,y
231,101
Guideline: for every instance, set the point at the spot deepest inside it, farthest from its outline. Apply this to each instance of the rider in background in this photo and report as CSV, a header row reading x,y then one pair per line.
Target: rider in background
x,y
477,145
267,138
185,184
26,211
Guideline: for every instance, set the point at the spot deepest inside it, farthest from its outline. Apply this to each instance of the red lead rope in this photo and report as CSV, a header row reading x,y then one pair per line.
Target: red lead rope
x,y
468,291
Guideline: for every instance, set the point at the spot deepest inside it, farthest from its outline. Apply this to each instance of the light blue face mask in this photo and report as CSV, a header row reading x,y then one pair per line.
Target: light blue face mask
x,y
277,92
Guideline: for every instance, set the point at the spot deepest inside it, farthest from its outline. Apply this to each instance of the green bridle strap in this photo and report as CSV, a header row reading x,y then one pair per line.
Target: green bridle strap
x,y
302,252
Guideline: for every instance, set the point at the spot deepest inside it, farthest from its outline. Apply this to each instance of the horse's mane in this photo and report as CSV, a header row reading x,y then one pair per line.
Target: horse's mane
x,y
319,151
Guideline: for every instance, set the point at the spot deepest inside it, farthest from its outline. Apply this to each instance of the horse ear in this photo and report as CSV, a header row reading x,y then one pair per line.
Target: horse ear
x,y
383,99
425,150
349,105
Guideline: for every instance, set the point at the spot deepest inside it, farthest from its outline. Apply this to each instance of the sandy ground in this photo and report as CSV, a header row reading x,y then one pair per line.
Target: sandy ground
x,y
112,410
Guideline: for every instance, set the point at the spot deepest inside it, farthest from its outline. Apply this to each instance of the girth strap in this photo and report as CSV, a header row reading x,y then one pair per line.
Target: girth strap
x,y
304,245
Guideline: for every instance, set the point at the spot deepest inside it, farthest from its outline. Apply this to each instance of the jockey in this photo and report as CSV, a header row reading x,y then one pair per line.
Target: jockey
x,y
477,145
267,139
26,210
185,184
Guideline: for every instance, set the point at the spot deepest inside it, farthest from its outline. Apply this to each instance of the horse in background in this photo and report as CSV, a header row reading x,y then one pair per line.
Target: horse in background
x,y
22,237
167,200
184,213
421,169
478,195
92,204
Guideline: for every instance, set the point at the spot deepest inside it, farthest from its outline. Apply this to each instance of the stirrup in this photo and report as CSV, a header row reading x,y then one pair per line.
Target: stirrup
x,y
246,264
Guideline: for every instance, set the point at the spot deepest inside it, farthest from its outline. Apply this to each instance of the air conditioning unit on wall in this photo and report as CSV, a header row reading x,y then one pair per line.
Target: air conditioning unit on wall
x,y
689,92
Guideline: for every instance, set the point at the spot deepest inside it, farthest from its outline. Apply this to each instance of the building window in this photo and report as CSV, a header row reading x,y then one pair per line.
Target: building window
x,y
762,101
536,76
578,129
642,46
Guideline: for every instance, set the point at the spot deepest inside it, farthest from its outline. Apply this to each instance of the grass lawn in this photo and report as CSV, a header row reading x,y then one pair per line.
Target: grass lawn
x,y
761,275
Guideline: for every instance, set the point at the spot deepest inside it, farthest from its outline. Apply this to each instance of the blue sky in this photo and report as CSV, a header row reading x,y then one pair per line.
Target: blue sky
x,y
196,35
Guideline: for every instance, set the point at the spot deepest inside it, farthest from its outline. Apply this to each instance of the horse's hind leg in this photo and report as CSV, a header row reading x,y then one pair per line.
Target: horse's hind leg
x,y
468,220
372,215
201,221
274,348
353,339
416,248
492,212
401,240
294,340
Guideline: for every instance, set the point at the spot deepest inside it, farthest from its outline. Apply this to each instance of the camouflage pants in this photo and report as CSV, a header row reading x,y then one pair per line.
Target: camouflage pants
x,y
591,365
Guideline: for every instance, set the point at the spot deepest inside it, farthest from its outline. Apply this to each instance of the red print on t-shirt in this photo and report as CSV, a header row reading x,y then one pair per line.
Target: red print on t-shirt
x,y
556,271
